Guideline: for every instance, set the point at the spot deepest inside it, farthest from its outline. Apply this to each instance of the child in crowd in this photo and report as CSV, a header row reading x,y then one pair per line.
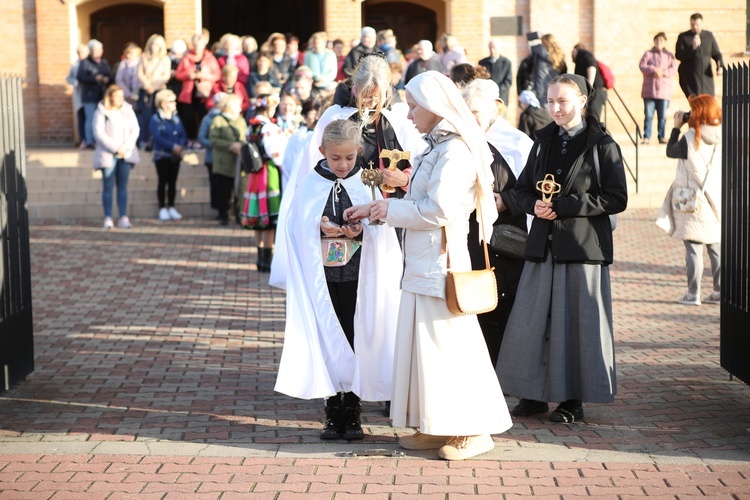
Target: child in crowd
x,y
338,345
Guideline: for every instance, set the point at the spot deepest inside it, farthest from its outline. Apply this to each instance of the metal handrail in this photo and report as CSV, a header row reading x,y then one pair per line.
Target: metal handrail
x,y
635,140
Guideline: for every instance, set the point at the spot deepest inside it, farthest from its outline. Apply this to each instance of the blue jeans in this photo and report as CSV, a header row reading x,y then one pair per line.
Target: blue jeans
x,y
89,108
660,105
119,174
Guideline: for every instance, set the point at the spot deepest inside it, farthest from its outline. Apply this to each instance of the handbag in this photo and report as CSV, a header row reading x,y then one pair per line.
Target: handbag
x,y
685,198
508,240
203,89
471,292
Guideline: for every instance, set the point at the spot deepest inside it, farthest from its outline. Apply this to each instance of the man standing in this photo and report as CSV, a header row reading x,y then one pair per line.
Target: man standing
x,y
425,61
366,46
93,77
695,49
587,67
500,69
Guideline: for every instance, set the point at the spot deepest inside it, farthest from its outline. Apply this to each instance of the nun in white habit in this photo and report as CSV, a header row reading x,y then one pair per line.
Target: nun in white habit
x,y
444,382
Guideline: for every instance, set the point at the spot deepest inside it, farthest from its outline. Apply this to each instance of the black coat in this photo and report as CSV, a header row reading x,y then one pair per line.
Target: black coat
x,y
92,90
695,71
533,119
507,269
419,66
352,58
582,232
501,72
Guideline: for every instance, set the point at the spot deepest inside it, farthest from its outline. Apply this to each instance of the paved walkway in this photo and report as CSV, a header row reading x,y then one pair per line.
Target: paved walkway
x,y
156,355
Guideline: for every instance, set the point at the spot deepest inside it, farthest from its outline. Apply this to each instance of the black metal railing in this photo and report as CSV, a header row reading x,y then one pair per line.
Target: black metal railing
x,y
735,220
635,137
16,342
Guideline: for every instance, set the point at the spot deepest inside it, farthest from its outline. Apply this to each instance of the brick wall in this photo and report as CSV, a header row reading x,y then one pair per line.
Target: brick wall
x,y
180,20
18,39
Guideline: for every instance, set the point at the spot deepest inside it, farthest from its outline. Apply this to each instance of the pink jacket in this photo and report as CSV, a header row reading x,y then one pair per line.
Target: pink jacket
x,y
655,87
115,129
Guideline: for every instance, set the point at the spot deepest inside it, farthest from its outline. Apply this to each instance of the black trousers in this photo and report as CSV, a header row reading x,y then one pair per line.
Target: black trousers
x,y
191,115
344,299
167,169
597,103
221,194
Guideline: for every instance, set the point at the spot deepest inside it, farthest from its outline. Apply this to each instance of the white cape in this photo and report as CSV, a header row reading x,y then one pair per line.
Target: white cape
x,y
317,361
406,133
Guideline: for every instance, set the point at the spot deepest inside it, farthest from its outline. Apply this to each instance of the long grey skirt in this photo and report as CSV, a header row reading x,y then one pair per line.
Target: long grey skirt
x,y
558,343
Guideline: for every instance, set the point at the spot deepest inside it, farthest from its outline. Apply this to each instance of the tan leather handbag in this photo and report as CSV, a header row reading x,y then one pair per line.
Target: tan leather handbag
x,y
471,292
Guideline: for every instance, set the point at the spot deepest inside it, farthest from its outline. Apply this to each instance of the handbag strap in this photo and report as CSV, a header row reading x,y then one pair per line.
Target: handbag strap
x,y
480,220
708,167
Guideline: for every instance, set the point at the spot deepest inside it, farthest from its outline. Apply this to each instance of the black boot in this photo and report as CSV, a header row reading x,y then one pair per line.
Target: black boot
x,y
334,419
260,263
352,425
267,257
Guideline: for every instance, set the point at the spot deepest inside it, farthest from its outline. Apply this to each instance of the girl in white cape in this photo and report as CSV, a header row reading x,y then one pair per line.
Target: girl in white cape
x,y
369,100
342,291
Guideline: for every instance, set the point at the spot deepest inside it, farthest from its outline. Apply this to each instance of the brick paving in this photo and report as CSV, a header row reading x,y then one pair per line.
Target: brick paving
x,y
156,354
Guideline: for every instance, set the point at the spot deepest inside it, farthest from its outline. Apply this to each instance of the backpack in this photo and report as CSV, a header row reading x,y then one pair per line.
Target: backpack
x,y
607,75
252,153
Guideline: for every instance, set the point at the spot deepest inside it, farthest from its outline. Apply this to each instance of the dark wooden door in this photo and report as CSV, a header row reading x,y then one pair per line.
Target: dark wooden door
x,y
409,22
301,18
116,26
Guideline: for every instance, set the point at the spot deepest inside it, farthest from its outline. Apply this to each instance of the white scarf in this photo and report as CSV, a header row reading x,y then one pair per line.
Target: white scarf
x,y
438,94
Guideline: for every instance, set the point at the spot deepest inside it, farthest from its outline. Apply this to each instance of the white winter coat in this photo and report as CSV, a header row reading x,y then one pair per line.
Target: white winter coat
x,y
442,193
703,225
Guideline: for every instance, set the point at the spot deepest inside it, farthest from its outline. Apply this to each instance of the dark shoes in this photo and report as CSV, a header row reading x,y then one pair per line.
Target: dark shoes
x,y
663,141
528,407
342,421
568,412
265,256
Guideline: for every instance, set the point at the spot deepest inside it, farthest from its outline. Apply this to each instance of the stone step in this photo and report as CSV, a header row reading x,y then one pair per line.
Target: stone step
x,y
135,210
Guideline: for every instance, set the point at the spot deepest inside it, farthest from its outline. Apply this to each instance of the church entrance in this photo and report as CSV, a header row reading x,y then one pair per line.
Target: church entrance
x,y
410,22
301,18
117,25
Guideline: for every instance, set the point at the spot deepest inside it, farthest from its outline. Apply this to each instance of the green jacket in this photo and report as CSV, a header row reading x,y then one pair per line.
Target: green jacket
x,y
224,133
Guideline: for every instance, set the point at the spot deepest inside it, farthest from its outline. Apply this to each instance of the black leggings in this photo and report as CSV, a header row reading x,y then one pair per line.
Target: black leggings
x,y
344,299
167,170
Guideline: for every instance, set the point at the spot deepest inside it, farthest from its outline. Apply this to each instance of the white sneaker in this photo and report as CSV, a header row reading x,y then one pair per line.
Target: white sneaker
x,y
714,298
690,300
164,214
174,214
108,224
124,222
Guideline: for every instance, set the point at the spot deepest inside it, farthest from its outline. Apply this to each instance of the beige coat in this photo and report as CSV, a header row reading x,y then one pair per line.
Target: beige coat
x,y
703,225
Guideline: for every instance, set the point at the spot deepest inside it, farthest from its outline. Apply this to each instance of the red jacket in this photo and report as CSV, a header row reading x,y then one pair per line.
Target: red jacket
x,y
239,89
243,67
209,68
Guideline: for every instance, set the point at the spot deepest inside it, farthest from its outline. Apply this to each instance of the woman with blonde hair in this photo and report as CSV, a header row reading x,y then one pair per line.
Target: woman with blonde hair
x,y
154,72
116,132
169,137
696,222
548,61
231,47
322,61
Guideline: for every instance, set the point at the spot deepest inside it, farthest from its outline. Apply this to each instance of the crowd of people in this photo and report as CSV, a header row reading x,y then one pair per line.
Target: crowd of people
x,y
363,171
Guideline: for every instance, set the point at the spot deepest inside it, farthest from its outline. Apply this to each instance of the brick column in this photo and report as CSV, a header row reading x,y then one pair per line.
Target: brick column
x,y
53,40
343,19
182,19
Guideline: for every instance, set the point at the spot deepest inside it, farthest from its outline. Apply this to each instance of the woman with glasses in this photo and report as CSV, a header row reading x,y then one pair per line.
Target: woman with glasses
x,y
168,136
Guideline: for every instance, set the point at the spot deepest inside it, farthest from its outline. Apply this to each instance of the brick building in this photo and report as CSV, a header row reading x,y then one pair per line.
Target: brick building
x,y
39,36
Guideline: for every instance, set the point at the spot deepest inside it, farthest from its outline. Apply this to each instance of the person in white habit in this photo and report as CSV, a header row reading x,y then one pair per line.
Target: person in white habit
x,y
444,382
367,99
342,291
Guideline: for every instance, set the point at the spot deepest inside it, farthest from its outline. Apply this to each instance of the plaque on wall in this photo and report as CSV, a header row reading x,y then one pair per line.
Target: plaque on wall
x,y
506,26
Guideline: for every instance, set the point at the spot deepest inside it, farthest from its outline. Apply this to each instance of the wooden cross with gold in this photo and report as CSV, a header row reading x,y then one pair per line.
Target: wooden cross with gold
x,y
395,156
548,187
